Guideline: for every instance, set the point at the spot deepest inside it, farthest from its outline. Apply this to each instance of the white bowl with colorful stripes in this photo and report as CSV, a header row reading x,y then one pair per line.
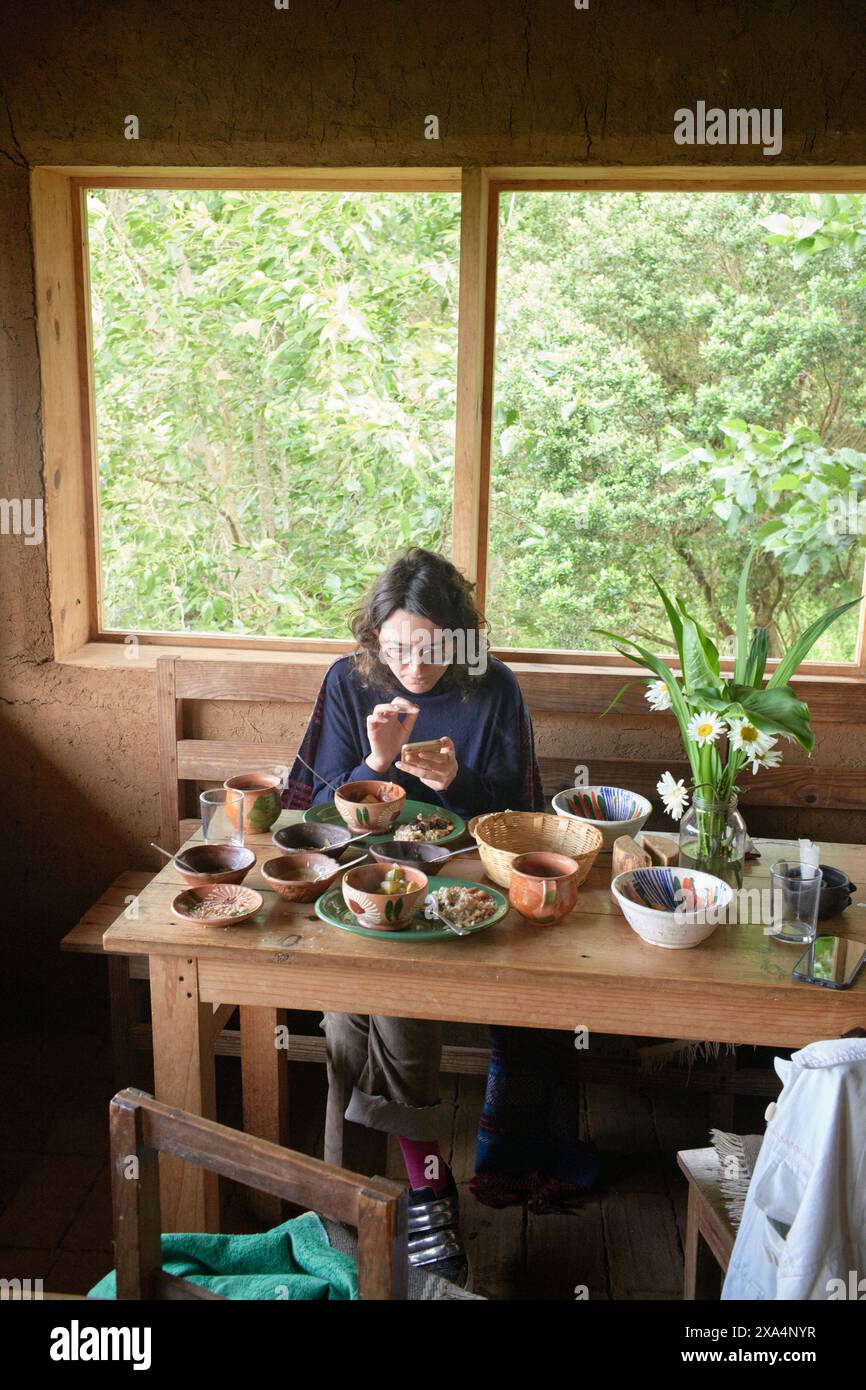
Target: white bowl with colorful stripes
x,y
612,810
674,908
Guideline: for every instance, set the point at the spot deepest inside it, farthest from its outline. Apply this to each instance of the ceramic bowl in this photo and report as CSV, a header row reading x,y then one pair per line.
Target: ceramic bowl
x,y
674,908
409,852
383,911
836,890
375,817
262,799
215,864
230,903
290,875
611,810
321,839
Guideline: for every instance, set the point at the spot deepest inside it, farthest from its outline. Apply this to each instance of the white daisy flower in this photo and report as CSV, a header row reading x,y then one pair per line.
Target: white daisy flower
x,y
746,738
766,757
705,727
673,793
658,695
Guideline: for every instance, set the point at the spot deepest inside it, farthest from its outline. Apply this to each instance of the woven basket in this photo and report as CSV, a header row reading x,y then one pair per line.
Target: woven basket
x,y
503,835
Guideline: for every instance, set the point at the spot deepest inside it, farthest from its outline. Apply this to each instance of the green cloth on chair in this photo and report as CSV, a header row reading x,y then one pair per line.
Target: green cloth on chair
x,y
292,1261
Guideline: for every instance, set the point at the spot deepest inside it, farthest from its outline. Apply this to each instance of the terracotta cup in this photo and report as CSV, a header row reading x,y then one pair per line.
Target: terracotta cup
x,y
543,886
262,799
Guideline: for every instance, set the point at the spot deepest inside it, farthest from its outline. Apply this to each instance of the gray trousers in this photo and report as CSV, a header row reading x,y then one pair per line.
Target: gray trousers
x,y
383,1078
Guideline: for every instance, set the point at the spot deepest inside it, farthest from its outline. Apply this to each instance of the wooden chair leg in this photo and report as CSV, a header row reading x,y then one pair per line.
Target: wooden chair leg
x,y
120,1006
702,1277
265,1086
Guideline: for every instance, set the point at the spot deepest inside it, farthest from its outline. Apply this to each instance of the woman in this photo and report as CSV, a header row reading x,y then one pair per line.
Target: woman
x,y
405,682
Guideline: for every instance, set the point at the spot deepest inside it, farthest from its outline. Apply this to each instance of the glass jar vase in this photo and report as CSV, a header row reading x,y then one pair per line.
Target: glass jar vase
x,y
713,838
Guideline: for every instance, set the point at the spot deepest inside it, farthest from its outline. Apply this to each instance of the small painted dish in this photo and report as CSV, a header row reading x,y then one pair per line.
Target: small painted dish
x,y
223,905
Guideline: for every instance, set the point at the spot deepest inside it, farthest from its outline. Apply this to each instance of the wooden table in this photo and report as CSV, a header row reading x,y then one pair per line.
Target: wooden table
x,y
591,970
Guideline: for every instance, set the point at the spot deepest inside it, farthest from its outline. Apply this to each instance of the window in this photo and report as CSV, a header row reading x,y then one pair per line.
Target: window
x,y
258,384
622,316
274,386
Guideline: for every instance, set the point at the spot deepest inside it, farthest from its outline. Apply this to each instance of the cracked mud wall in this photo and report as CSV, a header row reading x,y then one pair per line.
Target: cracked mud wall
x,y
334,82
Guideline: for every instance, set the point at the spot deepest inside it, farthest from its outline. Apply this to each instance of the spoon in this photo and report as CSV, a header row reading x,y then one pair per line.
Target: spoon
x,y
181,862
430,905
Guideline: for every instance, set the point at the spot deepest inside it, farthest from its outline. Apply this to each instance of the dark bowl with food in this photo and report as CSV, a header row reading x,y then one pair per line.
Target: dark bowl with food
x,y
321,839
836,890
204,865
408,852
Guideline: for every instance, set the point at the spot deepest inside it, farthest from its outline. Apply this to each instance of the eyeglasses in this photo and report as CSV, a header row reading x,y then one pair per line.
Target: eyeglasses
x,y
425,654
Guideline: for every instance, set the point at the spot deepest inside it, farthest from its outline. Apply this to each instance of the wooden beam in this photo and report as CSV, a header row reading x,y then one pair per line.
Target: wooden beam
x,y
466,520
67,500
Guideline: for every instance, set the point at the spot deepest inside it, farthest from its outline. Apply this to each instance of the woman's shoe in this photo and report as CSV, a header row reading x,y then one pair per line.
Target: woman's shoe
x,y
434,1232
503,1189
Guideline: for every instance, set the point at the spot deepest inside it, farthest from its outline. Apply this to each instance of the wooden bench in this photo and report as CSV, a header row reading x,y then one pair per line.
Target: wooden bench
x,y
709,1231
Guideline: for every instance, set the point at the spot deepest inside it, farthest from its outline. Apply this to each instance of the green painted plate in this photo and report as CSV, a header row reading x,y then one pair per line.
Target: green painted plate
x,y
326,813
331,908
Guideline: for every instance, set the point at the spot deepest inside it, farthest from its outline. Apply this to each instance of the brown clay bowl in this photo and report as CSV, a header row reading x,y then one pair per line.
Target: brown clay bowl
x,y
289,875
215,864
382,911
322,839
375,817
262,793
408,852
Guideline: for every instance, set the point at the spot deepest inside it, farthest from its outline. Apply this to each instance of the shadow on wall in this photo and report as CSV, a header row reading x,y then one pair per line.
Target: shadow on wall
x,y
59,851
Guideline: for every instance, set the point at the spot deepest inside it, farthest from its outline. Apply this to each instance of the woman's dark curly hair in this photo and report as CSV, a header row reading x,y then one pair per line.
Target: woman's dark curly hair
x,y
429,586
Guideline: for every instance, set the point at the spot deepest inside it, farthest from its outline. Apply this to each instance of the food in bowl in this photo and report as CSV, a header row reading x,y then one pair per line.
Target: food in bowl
x,y
465,907
430,828
370,806
372,893
300,877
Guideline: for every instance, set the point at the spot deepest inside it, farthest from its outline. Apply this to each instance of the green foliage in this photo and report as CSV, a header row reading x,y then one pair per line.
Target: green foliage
x,y
619,318
275,386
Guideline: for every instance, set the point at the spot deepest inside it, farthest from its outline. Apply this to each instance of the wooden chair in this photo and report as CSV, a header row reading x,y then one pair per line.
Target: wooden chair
x,y
183,760
709,1231
143,1127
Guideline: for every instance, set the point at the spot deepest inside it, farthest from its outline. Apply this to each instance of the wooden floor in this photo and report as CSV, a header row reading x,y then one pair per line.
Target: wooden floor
x,y
625,1243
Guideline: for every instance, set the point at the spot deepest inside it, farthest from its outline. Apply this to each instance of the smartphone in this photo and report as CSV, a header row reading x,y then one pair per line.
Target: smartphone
x,y
418,747
832,961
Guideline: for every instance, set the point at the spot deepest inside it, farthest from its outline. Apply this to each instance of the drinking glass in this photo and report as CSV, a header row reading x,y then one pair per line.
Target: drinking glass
x,y
222,820
795,891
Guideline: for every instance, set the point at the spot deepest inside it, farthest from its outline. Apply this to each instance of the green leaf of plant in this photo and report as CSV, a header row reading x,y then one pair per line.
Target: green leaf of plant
x,y
804,644
742,623
778,711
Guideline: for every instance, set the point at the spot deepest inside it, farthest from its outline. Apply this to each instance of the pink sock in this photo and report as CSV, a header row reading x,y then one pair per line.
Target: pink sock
x,y
425,1165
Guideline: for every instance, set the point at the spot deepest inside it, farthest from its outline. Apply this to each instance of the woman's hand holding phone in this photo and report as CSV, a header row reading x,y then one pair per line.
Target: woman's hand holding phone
x,y
435,767
387,733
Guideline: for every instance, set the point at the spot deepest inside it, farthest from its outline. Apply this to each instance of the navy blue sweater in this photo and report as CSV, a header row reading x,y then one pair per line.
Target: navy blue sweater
x,y
485,729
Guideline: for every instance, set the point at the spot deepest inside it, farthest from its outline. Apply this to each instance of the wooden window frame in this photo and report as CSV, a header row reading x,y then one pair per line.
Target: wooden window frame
x,y
560,680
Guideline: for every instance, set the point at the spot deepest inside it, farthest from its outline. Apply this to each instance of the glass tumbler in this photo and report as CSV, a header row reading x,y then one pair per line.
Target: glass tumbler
x,y
795,892
218,827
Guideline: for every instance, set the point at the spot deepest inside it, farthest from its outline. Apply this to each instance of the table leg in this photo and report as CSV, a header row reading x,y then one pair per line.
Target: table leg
x,y
184,1076
265,1084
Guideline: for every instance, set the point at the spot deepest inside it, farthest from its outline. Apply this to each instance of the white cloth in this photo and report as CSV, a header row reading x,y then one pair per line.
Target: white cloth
x,y
804,1222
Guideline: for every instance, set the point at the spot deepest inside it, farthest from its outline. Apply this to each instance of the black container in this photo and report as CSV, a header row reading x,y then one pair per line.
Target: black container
x,y
836,890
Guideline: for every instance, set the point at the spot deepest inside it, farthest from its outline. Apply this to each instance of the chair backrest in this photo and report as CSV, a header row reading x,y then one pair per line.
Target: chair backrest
x,y
183,760
142,1127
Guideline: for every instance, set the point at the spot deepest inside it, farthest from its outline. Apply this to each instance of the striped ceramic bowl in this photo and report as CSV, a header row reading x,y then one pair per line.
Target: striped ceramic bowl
x,y
674,908
612,810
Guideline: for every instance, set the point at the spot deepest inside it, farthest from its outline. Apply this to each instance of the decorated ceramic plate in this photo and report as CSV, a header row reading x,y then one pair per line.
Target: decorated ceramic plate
x,y
331,908
326,813
220,905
